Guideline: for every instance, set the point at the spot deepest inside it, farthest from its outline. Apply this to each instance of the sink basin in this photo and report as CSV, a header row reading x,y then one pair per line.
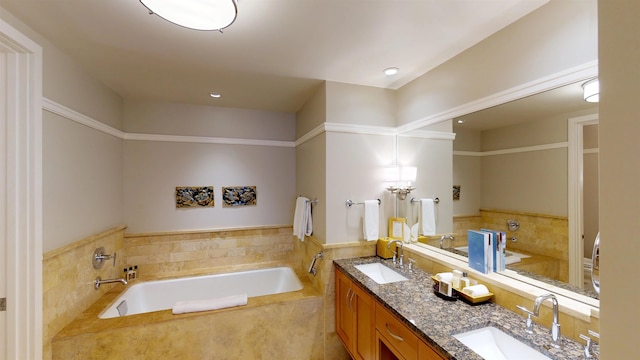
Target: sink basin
x,y
380,273
493,344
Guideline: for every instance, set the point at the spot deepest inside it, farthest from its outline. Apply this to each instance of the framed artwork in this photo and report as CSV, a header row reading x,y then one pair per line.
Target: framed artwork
x,y
233,196
456,192
194,196
396,228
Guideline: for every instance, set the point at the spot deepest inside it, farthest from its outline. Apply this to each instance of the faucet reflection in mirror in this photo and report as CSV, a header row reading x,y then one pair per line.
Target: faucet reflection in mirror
x,y
399,179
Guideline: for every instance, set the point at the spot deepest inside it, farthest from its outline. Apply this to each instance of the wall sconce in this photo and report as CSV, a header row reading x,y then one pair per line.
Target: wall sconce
x,y
399,179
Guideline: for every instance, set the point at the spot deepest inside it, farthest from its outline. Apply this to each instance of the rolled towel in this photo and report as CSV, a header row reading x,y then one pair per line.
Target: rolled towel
x,y
446,276
476,290
182,307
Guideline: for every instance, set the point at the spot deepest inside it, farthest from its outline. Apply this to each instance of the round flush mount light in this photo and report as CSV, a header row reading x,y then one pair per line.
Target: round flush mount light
x,y
215,95
591,91
391,71
207,15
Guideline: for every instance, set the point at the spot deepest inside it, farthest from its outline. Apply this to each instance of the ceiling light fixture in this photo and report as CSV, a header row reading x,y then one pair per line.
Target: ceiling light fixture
x,y
391,71
215,95
205,15
591,91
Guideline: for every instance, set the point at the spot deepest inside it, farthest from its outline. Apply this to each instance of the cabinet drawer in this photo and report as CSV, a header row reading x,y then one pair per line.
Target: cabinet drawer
x,y
396,333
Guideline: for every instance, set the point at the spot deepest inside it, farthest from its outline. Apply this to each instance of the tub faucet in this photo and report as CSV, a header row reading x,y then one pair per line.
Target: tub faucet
x,y
399,252
555,326
444,237
98,281
312,269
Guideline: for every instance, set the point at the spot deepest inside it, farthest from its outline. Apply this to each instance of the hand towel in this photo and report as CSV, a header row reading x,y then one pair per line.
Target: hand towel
x,y
445,276
182,307
427,217
302,222
371,220
476,290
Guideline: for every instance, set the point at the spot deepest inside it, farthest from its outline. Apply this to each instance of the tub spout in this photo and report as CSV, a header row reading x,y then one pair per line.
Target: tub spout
x,y
98,281
312,269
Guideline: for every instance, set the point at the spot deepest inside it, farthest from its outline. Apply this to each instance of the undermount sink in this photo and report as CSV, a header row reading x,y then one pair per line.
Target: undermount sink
x,y
380,273
493,344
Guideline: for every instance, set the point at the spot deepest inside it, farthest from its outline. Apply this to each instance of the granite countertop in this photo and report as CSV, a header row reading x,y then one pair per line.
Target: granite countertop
x,y
435,320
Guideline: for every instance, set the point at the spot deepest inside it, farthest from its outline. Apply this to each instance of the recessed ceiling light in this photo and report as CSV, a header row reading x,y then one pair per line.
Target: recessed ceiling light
x,y
215,95
460,121
391,71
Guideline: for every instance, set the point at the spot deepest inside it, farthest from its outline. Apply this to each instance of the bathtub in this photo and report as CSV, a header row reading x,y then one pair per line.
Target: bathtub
x,y
159,295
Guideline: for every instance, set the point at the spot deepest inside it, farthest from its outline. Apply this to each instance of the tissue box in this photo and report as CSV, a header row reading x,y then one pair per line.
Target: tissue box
x,y
382,250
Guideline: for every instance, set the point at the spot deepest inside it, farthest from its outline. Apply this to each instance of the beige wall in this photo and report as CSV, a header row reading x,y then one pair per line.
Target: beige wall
x,y
153,117
82,181
619,174
555,37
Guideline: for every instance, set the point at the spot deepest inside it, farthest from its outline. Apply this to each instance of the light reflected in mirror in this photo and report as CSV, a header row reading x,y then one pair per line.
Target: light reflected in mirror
x,y
511,163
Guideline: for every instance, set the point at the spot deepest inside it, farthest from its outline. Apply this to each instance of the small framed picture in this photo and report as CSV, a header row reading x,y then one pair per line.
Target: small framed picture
x,y
396,228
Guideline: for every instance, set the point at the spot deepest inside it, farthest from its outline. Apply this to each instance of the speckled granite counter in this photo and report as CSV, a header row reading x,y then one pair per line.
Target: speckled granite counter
x,y
435,320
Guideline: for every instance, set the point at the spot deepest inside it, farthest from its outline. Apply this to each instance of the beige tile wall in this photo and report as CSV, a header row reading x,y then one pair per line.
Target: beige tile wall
x,y
189,252
68,277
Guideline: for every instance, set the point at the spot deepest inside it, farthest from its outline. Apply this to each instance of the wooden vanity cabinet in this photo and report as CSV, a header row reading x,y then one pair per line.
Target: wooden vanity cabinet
x,y
355,318
370,331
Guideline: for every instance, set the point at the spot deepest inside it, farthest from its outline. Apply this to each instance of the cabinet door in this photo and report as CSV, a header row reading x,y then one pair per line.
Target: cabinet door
x,y
344,310
365,312
426,352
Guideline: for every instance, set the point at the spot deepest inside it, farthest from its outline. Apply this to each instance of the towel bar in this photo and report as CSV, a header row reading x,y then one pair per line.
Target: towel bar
x,y
435,201
312,202
350,202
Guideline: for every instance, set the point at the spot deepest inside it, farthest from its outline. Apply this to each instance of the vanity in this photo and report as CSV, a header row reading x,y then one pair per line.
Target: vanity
x,y
406,320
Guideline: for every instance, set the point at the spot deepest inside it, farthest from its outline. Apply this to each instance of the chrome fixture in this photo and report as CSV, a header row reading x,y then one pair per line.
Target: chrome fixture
x,y
98,281
398,255
349,203
513,224
99,257
445,237
555,326
411,262
399,179
591,91
436,200
205,15
595,264
588,348
312,269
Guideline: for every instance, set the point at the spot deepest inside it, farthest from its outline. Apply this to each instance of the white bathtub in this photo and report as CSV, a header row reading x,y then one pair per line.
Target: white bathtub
x,y
163,294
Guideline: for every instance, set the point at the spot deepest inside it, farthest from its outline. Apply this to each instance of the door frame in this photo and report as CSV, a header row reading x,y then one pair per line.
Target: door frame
x,y
24,194
575,153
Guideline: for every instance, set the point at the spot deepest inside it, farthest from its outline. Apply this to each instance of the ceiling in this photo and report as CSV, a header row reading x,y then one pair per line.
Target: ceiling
x,y
277,52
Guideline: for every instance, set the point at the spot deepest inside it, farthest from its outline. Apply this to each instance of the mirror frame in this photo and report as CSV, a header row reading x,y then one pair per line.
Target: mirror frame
x,y
569,76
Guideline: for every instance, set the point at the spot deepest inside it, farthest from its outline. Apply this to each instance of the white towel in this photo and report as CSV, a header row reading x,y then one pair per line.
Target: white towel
x,y
427,217
302,222
182,307
476,290
445,276
371,220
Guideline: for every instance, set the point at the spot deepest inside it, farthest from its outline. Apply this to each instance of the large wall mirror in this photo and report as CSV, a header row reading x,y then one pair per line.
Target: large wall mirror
x,y
512,165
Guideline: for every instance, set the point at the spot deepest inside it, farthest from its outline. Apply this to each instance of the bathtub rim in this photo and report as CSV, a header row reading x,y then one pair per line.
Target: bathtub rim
x,y
88,322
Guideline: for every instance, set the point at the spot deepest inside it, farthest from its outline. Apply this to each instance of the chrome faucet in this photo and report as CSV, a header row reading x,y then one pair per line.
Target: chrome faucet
x,y
312,269
444,237
555,326
588,348
98,281
399,252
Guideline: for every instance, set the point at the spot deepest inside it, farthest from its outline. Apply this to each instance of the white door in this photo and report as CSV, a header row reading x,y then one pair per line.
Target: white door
x,y
3,202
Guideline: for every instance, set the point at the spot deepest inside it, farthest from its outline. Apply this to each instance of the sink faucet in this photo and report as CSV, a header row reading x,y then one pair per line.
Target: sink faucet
x,y
398,252
444,237
98,281
555,326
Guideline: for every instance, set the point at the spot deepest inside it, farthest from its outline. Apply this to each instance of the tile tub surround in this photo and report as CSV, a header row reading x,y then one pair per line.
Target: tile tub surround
x,y
68,276
436,320
261,329
190,252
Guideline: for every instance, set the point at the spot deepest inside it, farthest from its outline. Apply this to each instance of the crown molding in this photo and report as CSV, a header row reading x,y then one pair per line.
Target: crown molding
x,y
560,145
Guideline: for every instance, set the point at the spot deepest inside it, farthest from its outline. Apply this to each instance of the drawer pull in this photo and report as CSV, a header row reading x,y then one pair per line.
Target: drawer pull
x,y
392,334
